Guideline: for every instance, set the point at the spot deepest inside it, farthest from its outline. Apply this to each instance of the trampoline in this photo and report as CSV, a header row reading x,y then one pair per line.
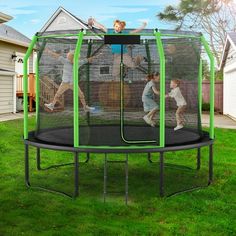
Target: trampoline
x,y
116,124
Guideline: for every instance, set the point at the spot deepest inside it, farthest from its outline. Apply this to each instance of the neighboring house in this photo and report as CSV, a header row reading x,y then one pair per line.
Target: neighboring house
x,y
13,46
228,64
63,20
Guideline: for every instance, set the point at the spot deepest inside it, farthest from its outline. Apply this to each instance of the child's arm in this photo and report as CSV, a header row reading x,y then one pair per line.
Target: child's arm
x,y
92,22
155,90
51,53
139,29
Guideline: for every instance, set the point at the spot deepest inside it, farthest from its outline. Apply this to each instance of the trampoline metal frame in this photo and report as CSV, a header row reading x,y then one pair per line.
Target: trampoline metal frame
x,y
119,149
76,151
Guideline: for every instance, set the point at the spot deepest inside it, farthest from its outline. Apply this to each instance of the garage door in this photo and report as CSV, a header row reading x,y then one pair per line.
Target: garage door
x,y
230,94
6,94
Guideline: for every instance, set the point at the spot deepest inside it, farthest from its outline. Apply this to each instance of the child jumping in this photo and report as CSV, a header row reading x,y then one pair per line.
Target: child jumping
x,y
149,105
119,26
67,79
180,101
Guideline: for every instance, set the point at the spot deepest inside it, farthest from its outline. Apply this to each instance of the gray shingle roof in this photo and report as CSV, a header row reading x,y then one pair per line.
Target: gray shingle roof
x,y
232,37
8,33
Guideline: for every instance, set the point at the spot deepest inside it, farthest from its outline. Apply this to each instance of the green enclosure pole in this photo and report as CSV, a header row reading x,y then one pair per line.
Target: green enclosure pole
x,y
37,90
88,78
25,85
75,89
212,85
37,87
160,51
200,94
200,87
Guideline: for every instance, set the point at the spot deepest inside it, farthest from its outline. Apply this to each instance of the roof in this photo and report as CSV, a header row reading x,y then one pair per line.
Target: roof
x,y
57,12
10,35
4,17
229,41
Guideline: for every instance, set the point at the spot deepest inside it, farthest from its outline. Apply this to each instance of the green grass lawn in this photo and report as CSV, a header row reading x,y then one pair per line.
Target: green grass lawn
x,y
208,211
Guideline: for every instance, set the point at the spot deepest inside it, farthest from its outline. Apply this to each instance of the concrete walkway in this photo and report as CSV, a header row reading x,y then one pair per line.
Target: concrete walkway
x,y
220,120
12,116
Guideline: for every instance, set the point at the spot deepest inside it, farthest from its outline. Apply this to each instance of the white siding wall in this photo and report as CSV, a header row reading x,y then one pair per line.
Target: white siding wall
x,y
6,94
229,106
231,57
6,50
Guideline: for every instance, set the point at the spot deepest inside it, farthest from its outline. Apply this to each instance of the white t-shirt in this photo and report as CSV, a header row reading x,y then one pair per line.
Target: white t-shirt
x,y
177,95
67,76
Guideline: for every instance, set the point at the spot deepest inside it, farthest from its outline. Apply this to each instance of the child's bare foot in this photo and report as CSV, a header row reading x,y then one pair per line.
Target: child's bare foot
x,y
50,106
147,120
153,123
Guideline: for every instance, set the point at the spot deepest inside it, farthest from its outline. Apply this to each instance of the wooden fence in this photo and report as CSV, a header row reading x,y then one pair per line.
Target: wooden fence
x,y
218,94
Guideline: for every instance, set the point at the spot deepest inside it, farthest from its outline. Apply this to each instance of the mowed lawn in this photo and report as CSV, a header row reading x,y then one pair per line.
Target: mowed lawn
x,y
208,211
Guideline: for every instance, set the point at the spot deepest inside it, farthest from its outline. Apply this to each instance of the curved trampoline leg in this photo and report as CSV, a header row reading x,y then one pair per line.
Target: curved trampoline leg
x,y
87,157
126,178
198,158
76,175
162,174
105,179
27,181
38,160
210,179
149,157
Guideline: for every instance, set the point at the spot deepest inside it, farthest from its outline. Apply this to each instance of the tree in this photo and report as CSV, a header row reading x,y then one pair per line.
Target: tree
x,y
212,17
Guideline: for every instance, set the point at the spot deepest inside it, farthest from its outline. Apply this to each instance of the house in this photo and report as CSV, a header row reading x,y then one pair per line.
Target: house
x,y
228,64
13,46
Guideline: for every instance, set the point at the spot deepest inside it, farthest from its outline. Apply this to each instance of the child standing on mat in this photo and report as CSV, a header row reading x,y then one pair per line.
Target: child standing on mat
x,y
119,26
149,105
180,101
67,79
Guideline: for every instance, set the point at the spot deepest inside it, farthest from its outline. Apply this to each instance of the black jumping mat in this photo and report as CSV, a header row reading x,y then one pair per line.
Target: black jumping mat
x,y
111,136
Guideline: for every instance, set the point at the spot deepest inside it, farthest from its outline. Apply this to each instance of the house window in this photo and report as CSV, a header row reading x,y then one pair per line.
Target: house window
x,y
104,70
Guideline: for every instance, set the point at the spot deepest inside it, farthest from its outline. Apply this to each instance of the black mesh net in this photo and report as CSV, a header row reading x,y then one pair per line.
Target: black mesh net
x,y
112,111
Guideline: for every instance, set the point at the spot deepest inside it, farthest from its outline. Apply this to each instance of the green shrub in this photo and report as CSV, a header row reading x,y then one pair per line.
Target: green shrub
x,y
206,106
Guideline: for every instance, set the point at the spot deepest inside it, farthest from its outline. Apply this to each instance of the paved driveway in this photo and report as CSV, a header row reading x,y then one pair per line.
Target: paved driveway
x,y
220,121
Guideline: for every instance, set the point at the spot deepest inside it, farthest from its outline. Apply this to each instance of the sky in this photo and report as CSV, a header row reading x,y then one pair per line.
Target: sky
x,y
30,16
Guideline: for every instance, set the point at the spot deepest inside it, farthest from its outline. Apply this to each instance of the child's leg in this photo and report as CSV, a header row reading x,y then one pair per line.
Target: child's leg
x,y
152,113
182,111
177,116
62,88
180,115
82,98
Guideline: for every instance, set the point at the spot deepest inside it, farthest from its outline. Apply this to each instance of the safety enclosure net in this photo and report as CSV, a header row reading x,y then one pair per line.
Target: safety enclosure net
x,y
112,81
